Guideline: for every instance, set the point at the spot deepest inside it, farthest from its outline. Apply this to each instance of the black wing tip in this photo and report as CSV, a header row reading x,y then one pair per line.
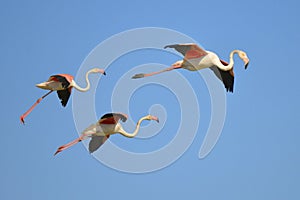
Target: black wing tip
x,y
108,115
91,151
229,86
229,89
64,104
94,144
64,96
138,76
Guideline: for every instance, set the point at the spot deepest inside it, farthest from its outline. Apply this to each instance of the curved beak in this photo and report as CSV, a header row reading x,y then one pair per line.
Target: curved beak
x,y
246,61
155,119
102,71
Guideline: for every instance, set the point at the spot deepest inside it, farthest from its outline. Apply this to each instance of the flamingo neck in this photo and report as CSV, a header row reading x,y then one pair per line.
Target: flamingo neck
x,y
88,85
231,61
137,128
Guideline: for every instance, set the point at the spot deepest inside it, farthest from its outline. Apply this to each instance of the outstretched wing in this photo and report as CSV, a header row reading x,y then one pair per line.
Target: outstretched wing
x,y
189,51
112,118
63,95
96,142
227,77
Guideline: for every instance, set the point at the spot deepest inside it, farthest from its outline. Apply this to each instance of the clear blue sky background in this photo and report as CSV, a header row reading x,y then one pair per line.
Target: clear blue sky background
x,y
257,156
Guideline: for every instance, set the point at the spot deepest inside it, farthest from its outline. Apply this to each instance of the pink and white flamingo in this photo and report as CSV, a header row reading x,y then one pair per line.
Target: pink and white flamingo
x,y
106,126
63,84
196,58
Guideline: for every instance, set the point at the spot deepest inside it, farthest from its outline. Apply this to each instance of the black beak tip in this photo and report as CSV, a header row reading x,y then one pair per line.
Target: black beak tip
x,y
104,73
246,65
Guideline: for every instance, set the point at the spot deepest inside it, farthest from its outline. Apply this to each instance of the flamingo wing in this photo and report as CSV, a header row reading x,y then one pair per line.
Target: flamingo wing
x,y
96,142
227,77
62,79
69,78
112,118
189,51
64,96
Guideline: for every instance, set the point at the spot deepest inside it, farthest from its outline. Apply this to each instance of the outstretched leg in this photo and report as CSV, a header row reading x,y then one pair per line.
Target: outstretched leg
x,y
66,146
33,106
154,73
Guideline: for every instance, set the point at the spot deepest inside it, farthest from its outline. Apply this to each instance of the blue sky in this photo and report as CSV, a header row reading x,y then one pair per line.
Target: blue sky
x,y
256,156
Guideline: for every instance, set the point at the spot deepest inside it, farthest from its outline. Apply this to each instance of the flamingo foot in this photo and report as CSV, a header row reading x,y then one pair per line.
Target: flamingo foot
x,y
22,120
66,146
138,76
60,149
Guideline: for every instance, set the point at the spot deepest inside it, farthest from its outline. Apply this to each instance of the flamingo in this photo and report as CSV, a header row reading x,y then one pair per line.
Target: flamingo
x,y
196,58
63,84
106,126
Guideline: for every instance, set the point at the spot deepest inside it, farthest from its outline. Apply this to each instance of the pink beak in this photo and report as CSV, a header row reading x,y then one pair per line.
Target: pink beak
x,y
155,119
102,71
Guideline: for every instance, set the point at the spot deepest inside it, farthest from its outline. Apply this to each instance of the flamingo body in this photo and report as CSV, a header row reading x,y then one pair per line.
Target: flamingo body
x,y
63,84
196,58
106,126
195,64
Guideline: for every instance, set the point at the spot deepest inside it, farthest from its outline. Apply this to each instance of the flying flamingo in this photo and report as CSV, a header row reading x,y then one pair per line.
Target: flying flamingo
x,y
63,84
106,126
196,58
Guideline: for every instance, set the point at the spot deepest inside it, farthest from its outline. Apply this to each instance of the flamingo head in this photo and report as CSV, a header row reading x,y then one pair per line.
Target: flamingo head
x,y
150,117
97,70
244,57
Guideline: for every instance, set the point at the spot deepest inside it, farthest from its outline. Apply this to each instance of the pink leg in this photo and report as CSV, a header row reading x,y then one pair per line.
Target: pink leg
x,y
154,73
66,146
33,106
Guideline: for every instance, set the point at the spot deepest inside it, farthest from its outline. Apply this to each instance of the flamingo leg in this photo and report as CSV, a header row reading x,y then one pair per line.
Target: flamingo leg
x,y
33,106
154,73
68,145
